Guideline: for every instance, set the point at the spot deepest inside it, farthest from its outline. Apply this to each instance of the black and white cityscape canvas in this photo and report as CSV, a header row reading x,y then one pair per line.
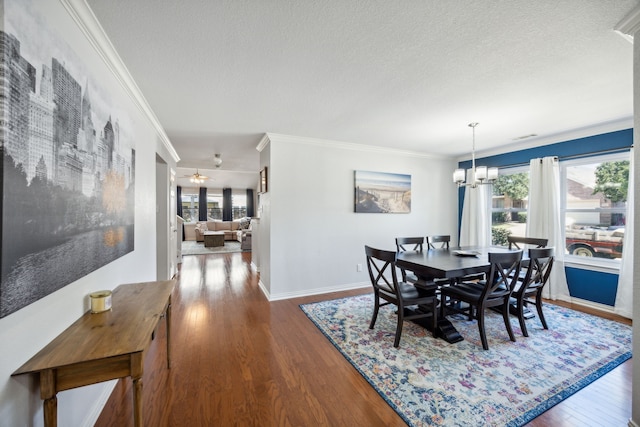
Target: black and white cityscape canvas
x,y
68,162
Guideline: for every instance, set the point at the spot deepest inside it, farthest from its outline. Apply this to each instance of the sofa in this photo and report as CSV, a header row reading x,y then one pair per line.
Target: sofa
x,y
233,230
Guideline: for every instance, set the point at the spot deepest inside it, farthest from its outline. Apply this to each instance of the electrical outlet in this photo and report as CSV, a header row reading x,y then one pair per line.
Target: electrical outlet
x,y
359,267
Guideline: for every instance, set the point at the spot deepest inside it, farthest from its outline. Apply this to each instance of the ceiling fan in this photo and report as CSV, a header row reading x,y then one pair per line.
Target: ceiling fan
x,y
197,178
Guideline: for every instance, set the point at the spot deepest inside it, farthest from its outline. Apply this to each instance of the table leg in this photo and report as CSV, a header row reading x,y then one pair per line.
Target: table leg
x,y
51,412
136,376
137,402
48,394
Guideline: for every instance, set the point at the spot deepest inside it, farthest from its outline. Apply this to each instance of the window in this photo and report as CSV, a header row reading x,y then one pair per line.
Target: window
x,y
239,206
595,200
509,205
594,203
190,207
190,203
214,206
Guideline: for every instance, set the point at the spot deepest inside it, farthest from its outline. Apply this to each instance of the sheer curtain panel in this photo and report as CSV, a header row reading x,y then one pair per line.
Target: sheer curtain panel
x,y
475,229
624,295
544,220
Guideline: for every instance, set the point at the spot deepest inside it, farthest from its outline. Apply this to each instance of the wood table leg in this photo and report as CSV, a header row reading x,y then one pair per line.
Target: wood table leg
x,y
48,394
136,376
137,402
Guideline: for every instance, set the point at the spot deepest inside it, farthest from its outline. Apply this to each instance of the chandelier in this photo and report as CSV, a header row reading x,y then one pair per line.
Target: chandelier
x,y
196,178
480,174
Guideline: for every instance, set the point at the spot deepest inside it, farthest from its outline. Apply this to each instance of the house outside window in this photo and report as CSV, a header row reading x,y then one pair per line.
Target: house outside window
x,y
593,205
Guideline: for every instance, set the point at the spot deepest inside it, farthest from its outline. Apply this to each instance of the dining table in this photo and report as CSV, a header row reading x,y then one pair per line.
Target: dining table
x,y
443,263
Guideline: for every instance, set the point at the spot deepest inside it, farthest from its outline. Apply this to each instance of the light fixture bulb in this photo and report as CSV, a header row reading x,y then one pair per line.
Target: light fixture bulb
x,y
479,174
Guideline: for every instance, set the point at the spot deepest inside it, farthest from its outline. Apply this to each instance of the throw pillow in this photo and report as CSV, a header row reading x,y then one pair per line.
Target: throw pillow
x,y
245,223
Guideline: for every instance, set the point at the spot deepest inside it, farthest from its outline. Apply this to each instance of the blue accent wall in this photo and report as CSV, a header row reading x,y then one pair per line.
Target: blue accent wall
x,y
619,140
583,283
592,285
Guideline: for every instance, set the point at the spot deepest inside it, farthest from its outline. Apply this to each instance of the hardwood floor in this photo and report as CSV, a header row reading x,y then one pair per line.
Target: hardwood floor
x,y
238,360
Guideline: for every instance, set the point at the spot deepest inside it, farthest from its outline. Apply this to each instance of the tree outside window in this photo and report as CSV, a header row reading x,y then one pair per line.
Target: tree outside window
x,y
509,206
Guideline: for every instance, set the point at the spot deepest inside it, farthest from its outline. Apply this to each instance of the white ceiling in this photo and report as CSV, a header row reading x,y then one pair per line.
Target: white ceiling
x,y
403,74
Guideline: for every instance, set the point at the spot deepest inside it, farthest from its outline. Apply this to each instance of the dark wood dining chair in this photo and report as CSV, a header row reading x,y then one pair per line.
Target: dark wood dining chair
x,y
516,241
438,242
384,279
493,292
520,242
536,277
404,244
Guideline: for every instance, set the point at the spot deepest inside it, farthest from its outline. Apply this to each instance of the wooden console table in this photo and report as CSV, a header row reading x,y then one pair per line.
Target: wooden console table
x,y
104,346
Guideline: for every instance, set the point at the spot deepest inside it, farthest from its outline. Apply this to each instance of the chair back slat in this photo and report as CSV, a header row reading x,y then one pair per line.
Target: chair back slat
x,y
403,244
516,241
503,276
382,269
442,239
540,264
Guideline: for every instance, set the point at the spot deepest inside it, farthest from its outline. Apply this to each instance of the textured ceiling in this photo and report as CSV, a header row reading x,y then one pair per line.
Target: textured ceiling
x,y
403,74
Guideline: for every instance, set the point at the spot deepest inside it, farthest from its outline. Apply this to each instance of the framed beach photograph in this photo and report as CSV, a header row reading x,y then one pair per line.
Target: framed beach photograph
x,y
382,192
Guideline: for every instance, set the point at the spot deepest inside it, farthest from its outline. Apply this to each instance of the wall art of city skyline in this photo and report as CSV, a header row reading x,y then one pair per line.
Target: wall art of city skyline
x,y
68,168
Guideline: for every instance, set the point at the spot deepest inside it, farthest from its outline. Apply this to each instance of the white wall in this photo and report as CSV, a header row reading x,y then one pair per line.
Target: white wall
x,y
25,332
264,212
316,239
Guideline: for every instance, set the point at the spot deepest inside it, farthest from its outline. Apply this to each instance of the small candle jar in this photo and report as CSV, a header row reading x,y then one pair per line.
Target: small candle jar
x,y
100,301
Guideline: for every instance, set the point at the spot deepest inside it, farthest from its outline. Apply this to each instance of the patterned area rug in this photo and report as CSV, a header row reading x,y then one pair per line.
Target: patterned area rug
x,y
191,247
431,382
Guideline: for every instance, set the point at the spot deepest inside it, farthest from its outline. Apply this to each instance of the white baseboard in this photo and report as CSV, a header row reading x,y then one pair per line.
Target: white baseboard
x,y
590,304
96,410
264,289
318,291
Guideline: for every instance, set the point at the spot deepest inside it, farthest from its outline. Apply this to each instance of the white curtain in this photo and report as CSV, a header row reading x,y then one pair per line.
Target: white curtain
x,y
544,221
624,296
475,229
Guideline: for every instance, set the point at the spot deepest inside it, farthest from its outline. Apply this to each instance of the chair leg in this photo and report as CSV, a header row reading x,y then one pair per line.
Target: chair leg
x,y
375,312
396,342
483,335
539,308
523,326
507,323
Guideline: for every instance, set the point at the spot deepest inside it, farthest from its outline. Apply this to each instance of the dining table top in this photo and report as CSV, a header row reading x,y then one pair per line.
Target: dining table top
x,y
449,263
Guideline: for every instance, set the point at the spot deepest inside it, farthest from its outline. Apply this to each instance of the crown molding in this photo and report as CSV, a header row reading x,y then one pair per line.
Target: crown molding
x,y
629,25
274,137
86,20
264,141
